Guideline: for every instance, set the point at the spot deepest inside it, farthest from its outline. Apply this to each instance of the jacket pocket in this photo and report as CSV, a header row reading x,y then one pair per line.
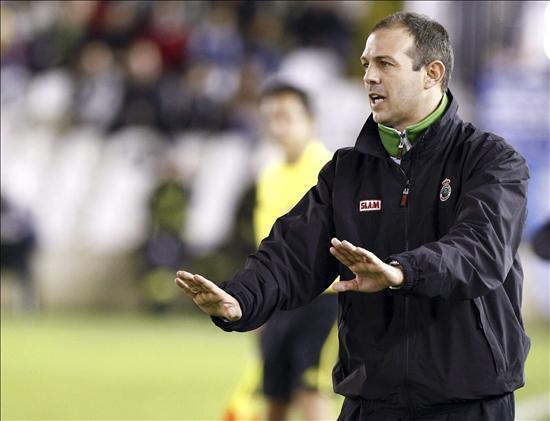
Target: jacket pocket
x,y
349,385
490,337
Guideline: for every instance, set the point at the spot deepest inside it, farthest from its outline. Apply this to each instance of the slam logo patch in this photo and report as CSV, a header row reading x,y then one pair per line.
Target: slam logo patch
x,y
370,205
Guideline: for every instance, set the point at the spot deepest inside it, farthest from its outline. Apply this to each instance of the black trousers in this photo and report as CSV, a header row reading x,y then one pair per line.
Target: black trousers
x,y
500,408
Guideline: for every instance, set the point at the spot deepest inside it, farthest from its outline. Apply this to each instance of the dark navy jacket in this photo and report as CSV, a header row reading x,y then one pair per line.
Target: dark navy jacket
x,y
453,332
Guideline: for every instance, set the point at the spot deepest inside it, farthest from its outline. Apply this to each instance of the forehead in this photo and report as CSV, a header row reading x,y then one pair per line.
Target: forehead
x,y
392,42
282,101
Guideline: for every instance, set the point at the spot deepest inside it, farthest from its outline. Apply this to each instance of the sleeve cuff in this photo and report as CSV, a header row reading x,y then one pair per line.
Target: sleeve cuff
x,y
224,324
408,274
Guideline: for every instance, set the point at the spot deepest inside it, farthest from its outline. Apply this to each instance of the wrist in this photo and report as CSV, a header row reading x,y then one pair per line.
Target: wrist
x,y
397,277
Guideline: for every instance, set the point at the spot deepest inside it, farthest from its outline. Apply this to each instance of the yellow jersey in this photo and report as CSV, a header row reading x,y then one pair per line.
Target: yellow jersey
x,y
281,185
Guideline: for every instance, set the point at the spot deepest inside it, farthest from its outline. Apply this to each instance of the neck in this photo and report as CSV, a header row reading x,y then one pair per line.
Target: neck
x,y
294,151
391,137
427,107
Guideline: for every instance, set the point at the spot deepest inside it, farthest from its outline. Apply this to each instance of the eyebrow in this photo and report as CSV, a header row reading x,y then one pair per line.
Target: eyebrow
x,y
363,58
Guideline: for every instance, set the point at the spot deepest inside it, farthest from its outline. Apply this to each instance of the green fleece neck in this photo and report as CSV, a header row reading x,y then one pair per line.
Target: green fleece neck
x,y
390,136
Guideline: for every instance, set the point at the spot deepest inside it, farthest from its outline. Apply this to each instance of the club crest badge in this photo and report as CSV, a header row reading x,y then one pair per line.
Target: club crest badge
x,y
446,190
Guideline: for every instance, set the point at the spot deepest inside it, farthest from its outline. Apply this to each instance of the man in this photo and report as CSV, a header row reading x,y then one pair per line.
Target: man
x,y
430,210
292,341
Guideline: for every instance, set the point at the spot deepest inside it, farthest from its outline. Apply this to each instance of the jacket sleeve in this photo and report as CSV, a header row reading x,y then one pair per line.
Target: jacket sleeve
x,y
293,264
476,254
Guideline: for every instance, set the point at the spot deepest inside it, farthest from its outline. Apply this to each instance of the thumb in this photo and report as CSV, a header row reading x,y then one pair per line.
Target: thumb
x,y
343,286
233,314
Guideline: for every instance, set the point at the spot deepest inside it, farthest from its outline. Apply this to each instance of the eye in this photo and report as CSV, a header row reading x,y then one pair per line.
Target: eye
x,y
365,64
385,63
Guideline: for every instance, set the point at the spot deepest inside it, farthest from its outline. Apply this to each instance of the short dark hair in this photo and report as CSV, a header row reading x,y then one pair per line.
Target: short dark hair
x,y
431,41
278,88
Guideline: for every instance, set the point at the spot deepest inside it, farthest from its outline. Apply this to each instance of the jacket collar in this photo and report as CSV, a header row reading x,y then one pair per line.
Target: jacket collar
x,y
369,142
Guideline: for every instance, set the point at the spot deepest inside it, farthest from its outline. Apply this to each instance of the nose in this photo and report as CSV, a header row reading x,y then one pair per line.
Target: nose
x,y
371,76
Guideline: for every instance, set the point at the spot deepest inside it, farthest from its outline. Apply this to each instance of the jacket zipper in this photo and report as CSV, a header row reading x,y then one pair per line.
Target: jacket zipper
x,y
405,144
405,196
404,203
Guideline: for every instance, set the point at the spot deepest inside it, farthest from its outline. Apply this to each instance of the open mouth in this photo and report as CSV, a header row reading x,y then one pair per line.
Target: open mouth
x,y
376,99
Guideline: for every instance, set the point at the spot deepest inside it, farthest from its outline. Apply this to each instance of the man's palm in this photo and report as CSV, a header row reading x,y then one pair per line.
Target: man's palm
x,y
369,277
210,298
371,274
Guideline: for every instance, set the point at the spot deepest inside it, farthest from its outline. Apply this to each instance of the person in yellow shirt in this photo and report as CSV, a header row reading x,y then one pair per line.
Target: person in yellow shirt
x,y
292,341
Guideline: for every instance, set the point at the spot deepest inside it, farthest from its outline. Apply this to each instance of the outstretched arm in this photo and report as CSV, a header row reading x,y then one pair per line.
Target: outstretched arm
x,y
292,266
210,298
371,273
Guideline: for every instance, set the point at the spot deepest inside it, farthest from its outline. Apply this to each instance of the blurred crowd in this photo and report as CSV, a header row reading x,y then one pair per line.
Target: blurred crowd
x,y
131,128
119,119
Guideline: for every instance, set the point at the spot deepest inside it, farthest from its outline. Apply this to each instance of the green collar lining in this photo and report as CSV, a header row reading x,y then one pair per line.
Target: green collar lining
x,y
390,136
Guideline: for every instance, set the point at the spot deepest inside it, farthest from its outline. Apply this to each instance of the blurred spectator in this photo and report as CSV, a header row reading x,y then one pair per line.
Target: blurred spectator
x,y
217,42
168,29
140,104
216,38
541,242
244,114
58,43
320,25
99,84
203,111
18,241
265,39
118,23
164,251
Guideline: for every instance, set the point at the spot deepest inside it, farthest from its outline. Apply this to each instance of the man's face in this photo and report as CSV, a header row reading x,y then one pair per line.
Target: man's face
x,y
286,119
395,89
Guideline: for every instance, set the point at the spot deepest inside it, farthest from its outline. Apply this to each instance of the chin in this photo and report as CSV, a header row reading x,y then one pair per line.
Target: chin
x,y
379,119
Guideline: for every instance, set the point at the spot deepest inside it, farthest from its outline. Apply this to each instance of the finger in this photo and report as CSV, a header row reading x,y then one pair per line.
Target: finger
x,y
193,285
346,245
183,275
343,286
350,255
361,254
341,257
370,256
339,245
206,285
206,299
184,286
233,313
335,242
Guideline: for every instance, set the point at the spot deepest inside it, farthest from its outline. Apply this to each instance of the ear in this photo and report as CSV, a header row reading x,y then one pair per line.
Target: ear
x,y
434,73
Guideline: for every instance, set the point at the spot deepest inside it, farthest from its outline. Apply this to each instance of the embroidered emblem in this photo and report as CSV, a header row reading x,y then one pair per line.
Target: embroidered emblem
x,y
370,205
446,190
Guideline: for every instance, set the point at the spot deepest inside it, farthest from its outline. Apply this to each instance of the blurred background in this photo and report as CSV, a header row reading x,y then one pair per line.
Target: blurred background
x,y
130,144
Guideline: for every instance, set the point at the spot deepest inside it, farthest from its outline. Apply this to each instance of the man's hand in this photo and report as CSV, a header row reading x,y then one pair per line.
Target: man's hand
x,y
210,298
371,273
